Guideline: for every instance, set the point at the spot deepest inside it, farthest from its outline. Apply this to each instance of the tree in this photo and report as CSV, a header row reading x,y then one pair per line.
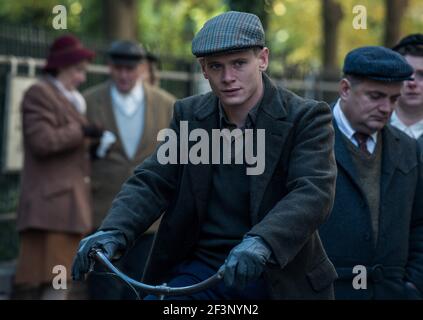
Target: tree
x,y
395,10
331,17
121,19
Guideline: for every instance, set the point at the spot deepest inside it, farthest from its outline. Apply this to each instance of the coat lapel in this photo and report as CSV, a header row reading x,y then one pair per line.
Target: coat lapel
x,y
391,154
109,116
67,105
343,157
206,118
270,118
149,124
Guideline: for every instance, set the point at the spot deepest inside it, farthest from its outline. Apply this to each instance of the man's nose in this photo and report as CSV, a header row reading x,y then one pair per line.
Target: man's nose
x,y
411,83
228,75
387,106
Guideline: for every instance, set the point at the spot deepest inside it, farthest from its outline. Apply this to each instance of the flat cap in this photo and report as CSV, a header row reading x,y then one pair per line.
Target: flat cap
x,y
229,31
410,40
124,52
377,63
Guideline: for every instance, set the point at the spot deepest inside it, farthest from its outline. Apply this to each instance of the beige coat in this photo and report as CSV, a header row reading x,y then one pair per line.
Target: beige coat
x,y
109,173
55,178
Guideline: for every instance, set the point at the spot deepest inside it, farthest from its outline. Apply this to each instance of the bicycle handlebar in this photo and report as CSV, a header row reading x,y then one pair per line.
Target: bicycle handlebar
x,y
98,255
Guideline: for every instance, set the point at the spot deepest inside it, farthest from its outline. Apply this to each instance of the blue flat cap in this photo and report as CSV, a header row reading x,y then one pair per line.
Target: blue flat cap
x,y
377,63
410,40
229,31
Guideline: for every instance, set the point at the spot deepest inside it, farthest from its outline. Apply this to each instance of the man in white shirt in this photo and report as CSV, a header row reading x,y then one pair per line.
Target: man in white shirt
x,y
408,115
132,112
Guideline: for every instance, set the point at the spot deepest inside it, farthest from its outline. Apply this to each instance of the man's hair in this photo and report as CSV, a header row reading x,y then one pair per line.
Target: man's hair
x,y
353,79
256,50
412,50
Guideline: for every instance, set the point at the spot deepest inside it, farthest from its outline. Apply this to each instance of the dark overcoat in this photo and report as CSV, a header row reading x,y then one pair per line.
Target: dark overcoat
x,y
348,237
288,201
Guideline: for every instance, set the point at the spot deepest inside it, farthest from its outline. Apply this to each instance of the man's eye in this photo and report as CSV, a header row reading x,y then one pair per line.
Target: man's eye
x,y
418,76
394,99
239,63
214,66
374,96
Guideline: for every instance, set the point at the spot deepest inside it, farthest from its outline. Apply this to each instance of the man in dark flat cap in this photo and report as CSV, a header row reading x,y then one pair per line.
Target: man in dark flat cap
x,y
132,112
252,216
408,115
374,235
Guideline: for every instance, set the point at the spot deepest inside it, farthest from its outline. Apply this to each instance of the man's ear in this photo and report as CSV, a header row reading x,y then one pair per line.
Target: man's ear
x,y
263,57
202,63
344,89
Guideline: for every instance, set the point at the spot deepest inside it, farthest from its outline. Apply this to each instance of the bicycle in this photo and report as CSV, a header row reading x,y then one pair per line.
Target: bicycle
x,y
160,290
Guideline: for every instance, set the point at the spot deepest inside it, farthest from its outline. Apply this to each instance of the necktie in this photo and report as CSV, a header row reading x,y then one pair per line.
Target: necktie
x,y
361,139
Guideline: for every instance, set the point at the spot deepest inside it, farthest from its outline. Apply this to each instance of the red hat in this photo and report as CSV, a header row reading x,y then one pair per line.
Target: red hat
x,y
67,50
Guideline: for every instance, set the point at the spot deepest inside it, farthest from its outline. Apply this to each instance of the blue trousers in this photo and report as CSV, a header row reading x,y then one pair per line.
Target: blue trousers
x,y
193,272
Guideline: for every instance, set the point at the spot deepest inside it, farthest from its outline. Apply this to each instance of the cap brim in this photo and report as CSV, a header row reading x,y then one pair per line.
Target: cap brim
x,y
125,62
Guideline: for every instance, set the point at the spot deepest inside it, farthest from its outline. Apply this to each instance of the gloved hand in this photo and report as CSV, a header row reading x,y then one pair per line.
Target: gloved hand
x,y
245,262
110,242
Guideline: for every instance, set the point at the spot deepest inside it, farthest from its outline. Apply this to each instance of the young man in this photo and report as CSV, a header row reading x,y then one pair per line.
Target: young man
x,y
408,115
259,229
374,233
132,112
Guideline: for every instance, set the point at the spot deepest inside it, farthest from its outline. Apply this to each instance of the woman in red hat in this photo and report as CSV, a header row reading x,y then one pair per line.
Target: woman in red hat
x,y
54,210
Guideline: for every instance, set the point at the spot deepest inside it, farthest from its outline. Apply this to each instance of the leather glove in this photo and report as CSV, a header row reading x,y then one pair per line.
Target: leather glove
x,y
245,262
110,242
92,131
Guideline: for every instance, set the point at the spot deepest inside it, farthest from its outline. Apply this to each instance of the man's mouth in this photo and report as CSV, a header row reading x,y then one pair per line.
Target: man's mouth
x,y
411,94
230,91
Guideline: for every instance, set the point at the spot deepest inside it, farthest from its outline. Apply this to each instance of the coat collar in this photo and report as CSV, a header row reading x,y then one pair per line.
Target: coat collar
x,y
270,118
271,102
65,102
393,157
105,100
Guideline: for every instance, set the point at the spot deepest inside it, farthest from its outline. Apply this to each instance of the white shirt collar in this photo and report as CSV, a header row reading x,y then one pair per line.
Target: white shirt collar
x,y
414,131
73,96
130,102
346,128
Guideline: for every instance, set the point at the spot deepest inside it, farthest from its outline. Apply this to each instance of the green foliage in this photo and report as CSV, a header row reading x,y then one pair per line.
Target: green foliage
x,y
39,13
167,26
293,27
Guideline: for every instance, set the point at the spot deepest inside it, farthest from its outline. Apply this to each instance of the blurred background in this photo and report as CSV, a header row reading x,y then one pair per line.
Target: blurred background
x,y
307,39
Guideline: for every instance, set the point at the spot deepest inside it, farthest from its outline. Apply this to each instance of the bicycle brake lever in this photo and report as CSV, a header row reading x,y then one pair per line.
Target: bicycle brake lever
x,y
92,255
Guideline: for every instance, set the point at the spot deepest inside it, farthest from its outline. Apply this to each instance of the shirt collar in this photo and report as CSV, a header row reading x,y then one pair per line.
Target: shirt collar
x,y
130,102
414,131
73,96
344,125
250,122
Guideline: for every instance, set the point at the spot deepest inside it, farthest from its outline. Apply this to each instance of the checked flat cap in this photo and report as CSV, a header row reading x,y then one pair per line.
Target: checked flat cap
x,y
377,63
229,31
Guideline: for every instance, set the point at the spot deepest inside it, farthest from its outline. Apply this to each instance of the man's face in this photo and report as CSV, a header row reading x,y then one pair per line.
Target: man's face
x,y
412,91
125,77
368,104
236,78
